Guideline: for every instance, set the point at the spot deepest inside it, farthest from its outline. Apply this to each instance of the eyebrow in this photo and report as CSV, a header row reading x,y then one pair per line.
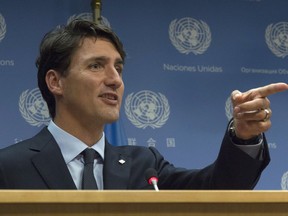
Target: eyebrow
x,y
105,59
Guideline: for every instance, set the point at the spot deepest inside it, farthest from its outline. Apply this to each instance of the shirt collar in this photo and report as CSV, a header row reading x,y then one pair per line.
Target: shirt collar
x,y
71,146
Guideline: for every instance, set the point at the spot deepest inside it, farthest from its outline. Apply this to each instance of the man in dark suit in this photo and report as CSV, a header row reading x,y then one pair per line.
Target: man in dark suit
x,y
80,77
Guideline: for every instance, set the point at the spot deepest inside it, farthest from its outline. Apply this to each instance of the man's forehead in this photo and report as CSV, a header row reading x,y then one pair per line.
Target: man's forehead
x,y
98,48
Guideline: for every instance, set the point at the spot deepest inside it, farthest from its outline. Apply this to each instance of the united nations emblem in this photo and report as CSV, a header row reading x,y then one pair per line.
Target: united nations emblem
x,y
2,28
33,108
284,182
88,16
190,35
147,108
277,38
229,109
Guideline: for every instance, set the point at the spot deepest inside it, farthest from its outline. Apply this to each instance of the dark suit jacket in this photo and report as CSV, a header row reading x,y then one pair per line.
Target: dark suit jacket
x,y
37,163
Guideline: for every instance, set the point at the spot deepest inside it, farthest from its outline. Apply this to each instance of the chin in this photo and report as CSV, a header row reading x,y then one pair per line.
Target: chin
x,y
109,116
111,120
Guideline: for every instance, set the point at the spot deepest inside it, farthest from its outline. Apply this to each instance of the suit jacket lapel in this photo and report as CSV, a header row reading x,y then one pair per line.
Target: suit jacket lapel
x,y
116,170
50,163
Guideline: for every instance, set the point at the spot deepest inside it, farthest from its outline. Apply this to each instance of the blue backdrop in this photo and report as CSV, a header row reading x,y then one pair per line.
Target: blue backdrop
x,y
184,59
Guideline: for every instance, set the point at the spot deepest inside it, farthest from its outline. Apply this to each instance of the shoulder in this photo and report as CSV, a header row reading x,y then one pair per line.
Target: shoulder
x,y
36,142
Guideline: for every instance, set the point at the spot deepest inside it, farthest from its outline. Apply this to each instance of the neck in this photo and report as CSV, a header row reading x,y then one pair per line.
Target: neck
x,y
87,133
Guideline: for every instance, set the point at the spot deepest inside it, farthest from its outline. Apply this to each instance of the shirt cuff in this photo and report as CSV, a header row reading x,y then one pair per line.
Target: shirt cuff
x,y
252,147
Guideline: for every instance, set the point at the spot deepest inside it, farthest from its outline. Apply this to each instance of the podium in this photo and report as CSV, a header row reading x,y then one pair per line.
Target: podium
x,y
140,203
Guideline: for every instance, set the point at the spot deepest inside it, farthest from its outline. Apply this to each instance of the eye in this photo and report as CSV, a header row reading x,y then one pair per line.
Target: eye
x,y
96,67
119,69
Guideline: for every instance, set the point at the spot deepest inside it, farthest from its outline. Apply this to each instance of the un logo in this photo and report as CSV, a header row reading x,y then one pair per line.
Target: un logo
x,y
33,108
284,182
147,109
229,109
277,38
88,16
190,35
2,28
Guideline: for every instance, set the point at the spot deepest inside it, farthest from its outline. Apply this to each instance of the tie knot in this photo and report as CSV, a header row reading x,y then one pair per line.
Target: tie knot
x,y
89,155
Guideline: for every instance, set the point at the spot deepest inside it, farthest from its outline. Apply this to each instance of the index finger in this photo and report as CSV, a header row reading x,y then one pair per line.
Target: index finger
x,y
271,89
262,92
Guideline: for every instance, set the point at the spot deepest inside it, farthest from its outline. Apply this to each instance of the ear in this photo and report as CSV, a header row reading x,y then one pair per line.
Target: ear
x,y
54,83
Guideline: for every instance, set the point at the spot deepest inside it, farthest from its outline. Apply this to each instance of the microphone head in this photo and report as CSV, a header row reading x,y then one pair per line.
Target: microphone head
x,y
151,174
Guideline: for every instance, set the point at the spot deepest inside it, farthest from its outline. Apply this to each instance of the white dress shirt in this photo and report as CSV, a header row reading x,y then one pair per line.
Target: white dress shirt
x,y
71,149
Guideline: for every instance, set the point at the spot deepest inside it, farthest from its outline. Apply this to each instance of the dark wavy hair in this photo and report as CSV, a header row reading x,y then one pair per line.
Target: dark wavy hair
x,y
58,46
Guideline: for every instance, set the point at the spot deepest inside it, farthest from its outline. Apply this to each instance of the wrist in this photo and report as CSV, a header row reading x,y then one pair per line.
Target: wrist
x,y
239,141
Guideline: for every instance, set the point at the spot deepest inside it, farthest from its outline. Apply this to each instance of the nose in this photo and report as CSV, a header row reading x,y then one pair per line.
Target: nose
x,y
113,78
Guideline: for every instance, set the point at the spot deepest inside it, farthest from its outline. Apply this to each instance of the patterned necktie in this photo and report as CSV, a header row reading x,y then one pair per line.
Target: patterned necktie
x,y
88,179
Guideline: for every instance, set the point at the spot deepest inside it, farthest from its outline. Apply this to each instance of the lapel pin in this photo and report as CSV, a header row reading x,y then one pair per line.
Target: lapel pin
x,y
121,161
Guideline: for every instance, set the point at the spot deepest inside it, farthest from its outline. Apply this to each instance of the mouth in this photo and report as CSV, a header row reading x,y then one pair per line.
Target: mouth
x,y
110,98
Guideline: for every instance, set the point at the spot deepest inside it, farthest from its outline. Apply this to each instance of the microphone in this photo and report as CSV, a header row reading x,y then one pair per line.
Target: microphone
x,y
152,177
